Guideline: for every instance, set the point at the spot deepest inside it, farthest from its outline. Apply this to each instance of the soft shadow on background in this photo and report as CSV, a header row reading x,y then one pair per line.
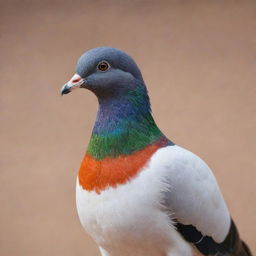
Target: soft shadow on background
x,y
198,60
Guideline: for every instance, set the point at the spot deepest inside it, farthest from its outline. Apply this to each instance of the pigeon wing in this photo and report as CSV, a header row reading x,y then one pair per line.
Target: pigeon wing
x,y
196,204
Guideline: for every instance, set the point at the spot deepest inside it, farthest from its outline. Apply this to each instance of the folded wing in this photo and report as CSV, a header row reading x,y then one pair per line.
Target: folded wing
x,y
197,205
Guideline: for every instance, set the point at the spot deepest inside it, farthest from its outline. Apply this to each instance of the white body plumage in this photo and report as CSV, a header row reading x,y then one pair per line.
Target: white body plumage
x,y
136,218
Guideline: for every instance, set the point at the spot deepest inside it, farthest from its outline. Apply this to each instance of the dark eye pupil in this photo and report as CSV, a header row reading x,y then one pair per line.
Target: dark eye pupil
x,y
103,66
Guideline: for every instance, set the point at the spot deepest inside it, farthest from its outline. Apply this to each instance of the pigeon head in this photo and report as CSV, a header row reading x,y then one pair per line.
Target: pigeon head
x,y
107,72
124,123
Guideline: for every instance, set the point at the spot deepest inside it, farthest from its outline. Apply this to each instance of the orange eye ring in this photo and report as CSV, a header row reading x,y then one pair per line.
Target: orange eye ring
x,y
103,66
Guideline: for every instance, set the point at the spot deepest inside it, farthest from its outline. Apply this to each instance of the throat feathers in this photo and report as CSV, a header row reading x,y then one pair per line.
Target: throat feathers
x,y
124,138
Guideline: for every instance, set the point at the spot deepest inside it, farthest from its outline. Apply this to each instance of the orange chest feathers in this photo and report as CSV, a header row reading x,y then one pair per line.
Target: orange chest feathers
x,y
97,175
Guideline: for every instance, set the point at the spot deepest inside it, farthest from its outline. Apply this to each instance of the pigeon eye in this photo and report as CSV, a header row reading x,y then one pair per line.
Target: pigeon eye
x,y
103,66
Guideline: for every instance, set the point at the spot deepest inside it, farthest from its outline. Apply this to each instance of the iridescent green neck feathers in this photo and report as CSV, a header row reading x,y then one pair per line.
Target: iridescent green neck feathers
x,y
124,125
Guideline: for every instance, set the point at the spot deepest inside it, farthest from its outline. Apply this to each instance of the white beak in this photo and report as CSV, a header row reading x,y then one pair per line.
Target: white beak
x,y
75,82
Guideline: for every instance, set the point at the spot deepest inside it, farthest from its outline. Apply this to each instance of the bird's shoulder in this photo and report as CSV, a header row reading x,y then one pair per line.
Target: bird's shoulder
x,y
193,194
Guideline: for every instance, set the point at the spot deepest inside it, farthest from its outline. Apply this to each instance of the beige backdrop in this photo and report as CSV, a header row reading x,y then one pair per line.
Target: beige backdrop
x,y
198,60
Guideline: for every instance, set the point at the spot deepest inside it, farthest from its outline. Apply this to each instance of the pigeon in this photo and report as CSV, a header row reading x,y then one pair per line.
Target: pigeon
x,y
137,192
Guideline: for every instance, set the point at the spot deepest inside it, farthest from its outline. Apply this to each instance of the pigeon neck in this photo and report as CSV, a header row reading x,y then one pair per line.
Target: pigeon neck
x,y
123,125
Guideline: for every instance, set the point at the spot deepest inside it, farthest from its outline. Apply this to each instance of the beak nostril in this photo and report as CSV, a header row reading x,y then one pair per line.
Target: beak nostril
x,y
76,80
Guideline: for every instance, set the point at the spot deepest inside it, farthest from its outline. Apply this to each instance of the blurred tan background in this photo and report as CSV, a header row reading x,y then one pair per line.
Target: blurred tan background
x,y
198,59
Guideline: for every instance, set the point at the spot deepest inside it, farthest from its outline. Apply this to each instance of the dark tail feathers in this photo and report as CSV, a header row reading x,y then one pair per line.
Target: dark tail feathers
x,y
244,250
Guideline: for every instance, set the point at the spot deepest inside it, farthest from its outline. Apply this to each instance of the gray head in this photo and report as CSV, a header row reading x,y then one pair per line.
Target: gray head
x,y
105,71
